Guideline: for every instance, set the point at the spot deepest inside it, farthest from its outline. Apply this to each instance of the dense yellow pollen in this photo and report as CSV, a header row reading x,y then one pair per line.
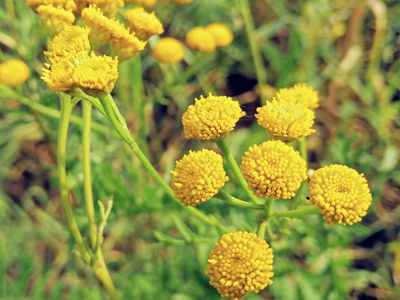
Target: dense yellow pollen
x,y
285,120
108,7
210,118
197,177
70,41
103,29
13,72
126,46
273,169
240,262
200,39
34,4
53,20
142,23
223,36
300,94
342,194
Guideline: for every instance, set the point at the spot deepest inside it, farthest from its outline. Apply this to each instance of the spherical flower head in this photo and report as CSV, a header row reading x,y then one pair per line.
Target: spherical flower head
x,y
200,39
103,29
144,3
53,19
285,120
197,177
126,47
13,72
240,263
222,34
108,7
34,4
341,193
142,23
96,75
211,118
70,41
273,169
300,94
182,2
168,50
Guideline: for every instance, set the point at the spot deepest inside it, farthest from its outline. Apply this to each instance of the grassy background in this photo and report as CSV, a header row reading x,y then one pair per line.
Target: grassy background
x,y
348,50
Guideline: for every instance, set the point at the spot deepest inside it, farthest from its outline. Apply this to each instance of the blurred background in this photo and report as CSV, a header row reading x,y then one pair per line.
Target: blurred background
x,y
347,50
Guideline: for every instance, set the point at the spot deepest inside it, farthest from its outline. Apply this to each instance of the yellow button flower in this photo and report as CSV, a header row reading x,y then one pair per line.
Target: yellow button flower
x,y
197,177
240,263
108,7
168,50
300,94
95,75
181,2
273,169
211,118
342,194
200,39
222,34
126,46
285,120
103,29
144,3
53,20
13,72
142,23
70,41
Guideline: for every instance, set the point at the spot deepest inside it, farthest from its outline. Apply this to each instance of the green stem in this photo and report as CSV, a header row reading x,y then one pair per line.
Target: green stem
x,y
66,109
303,149
255,50
261,229
297,198
224,196
298,213
87,116
138,103
235,168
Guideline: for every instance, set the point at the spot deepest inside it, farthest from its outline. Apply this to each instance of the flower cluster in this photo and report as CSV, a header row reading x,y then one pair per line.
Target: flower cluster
x,y
300,94
197,177
168,50
207,39
142,23
73,69
240,263
341,193
211,118
273,169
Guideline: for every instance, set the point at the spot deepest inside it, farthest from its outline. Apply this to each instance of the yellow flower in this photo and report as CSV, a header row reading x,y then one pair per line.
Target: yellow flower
x,y
211,118
222,34
95,75
53,20
142,23
197,177
144,3
300,94
70,41
285,120
168,50
240,263
273,169
103,29
13,72
341,193
126,46
200,39
34,4
108,7
183,1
